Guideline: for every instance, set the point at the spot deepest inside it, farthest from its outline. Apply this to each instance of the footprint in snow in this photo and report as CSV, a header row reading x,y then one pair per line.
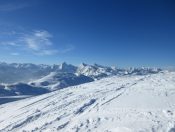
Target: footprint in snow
x,y
85,106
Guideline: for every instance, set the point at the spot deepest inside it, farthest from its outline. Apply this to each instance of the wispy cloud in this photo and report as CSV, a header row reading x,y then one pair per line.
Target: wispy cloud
x,y
67,49
13,6
10,43
46,52
37,42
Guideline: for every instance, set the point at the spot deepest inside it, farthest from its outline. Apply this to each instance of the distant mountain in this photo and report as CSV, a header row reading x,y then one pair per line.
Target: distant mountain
x,y
97,71
68,68
12,73
16,72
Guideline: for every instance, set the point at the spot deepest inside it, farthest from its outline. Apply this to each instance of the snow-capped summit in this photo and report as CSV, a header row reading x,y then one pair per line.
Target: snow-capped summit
x,y
95,71
83,64
64,67
98,65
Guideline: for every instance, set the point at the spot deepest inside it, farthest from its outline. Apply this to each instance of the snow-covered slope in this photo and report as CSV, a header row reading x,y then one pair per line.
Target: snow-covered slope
x,y
59,80
115,104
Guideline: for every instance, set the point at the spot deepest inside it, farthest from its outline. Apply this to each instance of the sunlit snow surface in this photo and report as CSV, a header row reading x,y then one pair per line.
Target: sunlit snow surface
x,y
114,104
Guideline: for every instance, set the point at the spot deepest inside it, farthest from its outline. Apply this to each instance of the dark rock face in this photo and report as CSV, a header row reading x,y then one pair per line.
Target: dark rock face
x,y
21,89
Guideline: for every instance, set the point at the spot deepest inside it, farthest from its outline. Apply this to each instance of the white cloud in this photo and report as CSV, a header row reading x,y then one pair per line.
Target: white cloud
x,y
37,42
47,52
10,43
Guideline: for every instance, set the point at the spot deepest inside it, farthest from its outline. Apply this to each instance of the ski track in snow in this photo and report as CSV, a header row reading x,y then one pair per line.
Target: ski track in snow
x,y
114,104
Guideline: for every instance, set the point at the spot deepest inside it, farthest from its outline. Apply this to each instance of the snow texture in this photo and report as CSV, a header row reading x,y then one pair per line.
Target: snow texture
x,y
131,103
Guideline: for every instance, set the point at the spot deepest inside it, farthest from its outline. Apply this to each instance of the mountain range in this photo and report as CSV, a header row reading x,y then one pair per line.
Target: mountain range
x,y
31,79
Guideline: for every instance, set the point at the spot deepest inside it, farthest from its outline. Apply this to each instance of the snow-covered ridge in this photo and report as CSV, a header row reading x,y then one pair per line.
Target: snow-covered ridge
x,y
117,104
59,80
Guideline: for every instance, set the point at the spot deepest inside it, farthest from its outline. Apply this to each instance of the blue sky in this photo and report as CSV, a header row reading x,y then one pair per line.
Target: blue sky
x,y
109,32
